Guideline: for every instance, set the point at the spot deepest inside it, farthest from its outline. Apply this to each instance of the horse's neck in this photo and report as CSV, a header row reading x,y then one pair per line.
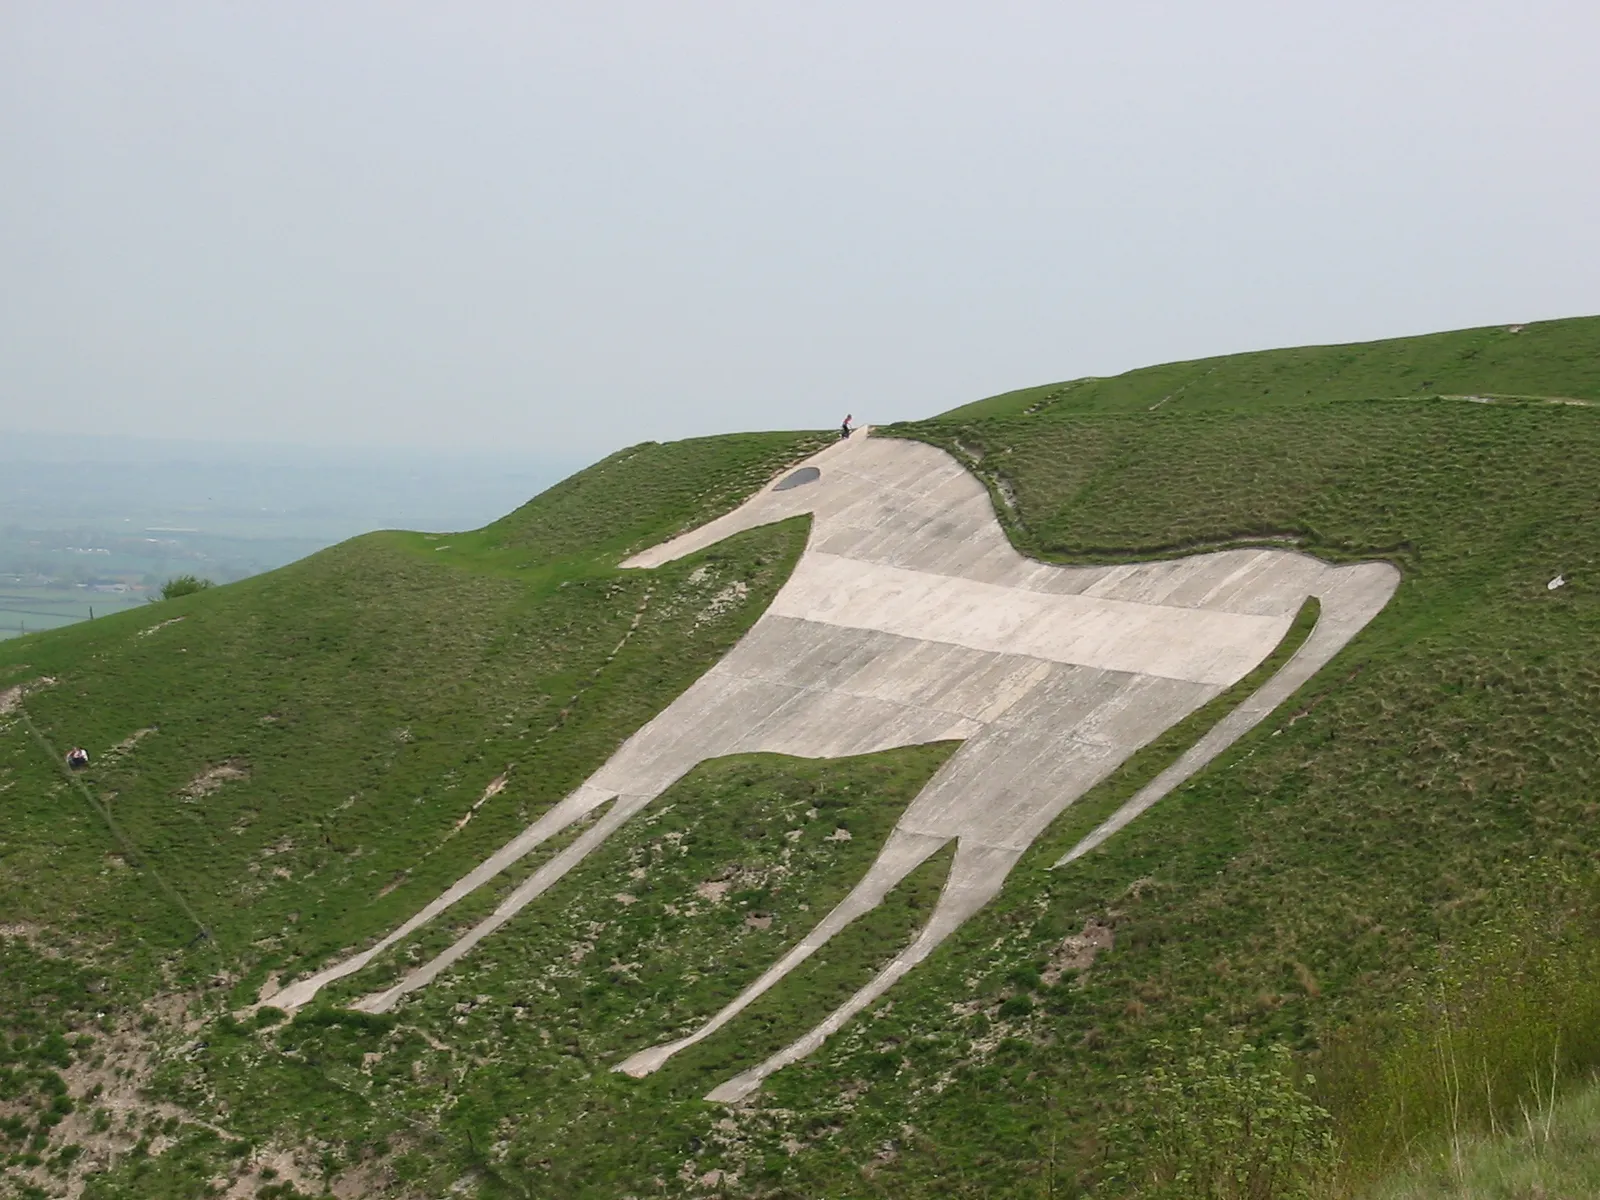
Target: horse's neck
x,y
947,528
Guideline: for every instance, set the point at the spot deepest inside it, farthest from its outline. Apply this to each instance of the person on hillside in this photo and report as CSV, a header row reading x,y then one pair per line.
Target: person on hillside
x,y
844,429
77,758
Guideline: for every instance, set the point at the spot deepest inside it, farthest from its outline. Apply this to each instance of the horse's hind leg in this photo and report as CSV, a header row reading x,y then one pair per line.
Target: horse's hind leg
x,y
976,876
703,723
573,808
525,893
901,854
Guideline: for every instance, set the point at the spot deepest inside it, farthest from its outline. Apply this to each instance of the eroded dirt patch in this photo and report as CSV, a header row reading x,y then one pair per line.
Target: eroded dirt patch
x,y
1077,951
495,787
114,1115
11,698
159,625
132,740
212,779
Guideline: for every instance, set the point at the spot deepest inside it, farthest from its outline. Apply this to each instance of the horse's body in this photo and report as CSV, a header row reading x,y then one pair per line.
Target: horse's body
x,y
909,619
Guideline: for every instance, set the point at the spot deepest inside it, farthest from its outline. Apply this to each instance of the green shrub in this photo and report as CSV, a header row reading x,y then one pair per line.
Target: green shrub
x,y
1226,1123
267,1015
184,585
1019,1005
324,1017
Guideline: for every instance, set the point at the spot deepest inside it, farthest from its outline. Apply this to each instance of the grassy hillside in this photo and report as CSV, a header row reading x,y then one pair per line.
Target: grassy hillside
x,y
279,766
1392,876
1442,773
1547,359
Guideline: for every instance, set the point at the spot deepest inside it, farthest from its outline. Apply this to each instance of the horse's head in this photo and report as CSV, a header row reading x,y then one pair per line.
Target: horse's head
x,y
870,498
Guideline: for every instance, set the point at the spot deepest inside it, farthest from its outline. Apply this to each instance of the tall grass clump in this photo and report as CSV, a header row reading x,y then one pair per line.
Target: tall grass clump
x,y
1484,1044
1555,1153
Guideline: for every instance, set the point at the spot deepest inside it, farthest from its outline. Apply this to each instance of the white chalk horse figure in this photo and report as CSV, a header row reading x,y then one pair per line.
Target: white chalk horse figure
x,y
909,619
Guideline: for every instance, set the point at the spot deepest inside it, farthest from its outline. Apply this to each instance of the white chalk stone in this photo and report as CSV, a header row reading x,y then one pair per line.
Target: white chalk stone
x,y
909,619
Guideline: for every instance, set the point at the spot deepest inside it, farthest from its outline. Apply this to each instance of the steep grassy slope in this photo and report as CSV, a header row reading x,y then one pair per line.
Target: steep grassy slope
x,y
1410,848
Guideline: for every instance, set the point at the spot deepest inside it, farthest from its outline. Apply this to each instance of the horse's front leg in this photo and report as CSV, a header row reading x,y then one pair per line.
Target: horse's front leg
x,y
902,853
976,876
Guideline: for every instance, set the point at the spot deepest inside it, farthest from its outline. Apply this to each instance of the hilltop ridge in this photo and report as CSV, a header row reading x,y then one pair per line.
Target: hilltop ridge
x,y
1543,359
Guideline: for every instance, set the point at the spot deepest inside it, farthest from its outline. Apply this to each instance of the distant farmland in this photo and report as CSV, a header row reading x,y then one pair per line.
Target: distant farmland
x,y
28,609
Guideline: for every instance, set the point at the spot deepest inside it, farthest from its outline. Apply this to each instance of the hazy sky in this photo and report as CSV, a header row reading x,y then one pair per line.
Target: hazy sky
x,y
550,226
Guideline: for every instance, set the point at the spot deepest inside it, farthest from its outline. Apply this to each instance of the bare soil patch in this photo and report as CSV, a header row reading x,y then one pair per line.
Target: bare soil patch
x,y
212,779
1077,951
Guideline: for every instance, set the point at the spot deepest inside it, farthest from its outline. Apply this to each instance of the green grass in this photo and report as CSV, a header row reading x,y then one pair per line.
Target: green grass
x,y
1546,359
1509,1010
360,700
1441,770
366,695
1401,859
358,764
630,949
1552,1150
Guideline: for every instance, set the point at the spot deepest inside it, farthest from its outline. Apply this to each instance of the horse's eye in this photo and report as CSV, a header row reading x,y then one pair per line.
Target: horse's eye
x,y
798,478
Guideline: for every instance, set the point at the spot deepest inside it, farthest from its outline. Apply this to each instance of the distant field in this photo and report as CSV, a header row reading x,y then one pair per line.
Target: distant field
x,y
100,510
26,609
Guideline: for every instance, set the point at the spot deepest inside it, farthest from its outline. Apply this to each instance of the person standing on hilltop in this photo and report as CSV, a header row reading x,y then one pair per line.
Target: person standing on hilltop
x,y
844,429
